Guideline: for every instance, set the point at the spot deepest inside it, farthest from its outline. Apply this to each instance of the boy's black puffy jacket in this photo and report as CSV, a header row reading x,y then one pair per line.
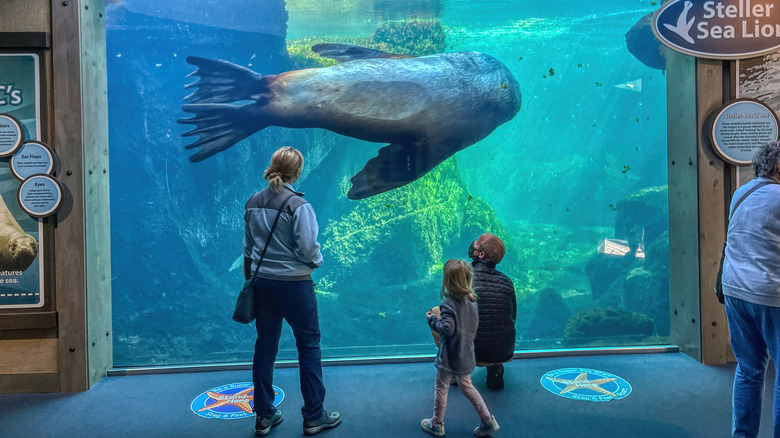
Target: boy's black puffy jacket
x,y
495,340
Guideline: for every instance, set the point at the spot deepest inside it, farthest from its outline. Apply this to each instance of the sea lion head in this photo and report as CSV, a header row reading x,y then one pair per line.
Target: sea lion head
x,y
20,252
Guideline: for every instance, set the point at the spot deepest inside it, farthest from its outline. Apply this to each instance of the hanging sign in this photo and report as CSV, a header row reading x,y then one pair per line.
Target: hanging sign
x,y
723,29
741,127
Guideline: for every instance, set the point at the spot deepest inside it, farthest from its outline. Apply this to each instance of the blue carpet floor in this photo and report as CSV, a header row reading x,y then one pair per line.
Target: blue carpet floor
x,y
672,396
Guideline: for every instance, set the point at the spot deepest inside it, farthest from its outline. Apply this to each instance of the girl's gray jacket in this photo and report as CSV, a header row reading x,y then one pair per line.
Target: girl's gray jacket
x,y
457,327
293,252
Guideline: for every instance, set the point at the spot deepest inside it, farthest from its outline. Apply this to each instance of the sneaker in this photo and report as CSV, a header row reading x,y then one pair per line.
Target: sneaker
x,y
433,429
264,425
487,429
327,421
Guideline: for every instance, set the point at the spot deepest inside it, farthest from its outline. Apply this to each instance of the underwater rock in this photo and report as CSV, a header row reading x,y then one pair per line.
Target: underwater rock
x,y
657,258
628,282
637,290
604,270
480,218
415,37
647,293
645,47
385,255
636,284
642,216
654,301
550,316
427,215
605,326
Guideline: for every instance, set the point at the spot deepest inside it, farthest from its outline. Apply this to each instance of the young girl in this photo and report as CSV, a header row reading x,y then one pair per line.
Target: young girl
x,y
457,326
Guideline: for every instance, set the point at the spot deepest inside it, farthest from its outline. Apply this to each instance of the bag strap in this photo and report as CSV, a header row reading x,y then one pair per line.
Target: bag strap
x,y
752,189
262,255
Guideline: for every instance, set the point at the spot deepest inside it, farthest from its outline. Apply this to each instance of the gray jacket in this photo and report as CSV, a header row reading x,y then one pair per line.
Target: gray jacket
x,y
457,327
751,269
293,252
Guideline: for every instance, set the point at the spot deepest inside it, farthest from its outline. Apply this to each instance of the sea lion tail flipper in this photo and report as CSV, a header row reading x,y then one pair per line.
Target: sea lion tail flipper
x,y
220,126
343,52
223,82
396,165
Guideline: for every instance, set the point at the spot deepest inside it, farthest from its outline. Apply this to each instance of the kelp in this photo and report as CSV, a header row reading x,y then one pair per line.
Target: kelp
x,y
412,37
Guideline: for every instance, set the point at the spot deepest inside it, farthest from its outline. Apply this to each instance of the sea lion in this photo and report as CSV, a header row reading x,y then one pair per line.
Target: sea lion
x,y
645,47
17,248
426,107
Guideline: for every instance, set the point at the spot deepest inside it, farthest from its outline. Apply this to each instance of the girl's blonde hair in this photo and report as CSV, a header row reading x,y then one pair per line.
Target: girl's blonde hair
x,y
286,165
457,281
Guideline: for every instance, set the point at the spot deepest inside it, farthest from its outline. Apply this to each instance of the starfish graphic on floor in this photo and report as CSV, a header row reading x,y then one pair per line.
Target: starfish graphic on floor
x,y
582,382
240,400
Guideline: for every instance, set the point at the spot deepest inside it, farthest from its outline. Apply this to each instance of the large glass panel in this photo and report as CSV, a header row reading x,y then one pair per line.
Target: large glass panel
x,y
574,182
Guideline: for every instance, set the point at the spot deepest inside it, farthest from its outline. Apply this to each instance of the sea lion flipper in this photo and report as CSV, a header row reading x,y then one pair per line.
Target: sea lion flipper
x,y
223,82
396,165
343,52
220,126
218,123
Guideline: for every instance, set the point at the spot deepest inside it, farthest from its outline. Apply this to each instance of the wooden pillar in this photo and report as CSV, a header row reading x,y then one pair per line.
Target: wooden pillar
x,y
683,203
82,238
713,89
699,193
66,345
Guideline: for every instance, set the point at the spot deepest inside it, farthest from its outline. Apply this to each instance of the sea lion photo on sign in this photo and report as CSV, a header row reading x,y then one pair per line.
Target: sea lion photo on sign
x,y
18,249
427,108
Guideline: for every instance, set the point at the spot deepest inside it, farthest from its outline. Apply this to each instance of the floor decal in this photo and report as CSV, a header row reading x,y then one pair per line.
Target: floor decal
x,y
586,384
228,402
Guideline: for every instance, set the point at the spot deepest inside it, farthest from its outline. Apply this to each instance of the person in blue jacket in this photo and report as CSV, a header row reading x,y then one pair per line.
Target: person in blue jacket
x,y
751,285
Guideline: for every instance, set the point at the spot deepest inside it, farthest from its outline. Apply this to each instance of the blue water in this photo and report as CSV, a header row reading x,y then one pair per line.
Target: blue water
x,y
552,182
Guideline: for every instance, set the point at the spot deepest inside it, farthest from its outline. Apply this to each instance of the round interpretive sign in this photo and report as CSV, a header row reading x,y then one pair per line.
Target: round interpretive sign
x,y
740,128
11,135
33,157
40,195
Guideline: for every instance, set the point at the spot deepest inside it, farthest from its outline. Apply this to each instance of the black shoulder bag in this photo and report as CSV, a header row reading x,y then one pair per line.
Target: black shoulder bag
x,y
719,280
245,304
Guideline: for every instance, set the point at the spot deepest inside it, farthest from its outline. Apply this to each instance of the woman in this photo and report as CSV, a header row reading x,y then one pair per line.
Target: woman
x,y
751,284
280,253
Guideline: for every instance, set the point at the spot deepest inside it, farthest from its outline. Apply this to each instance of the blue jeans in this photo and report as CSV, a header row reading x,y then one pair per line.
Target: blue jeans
x,y
295,302
755,336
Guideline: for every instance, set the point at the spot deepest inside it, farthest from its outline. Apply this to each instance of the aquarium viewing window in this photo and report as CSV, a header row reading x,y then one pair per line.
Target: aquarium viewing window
x,y
549,131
